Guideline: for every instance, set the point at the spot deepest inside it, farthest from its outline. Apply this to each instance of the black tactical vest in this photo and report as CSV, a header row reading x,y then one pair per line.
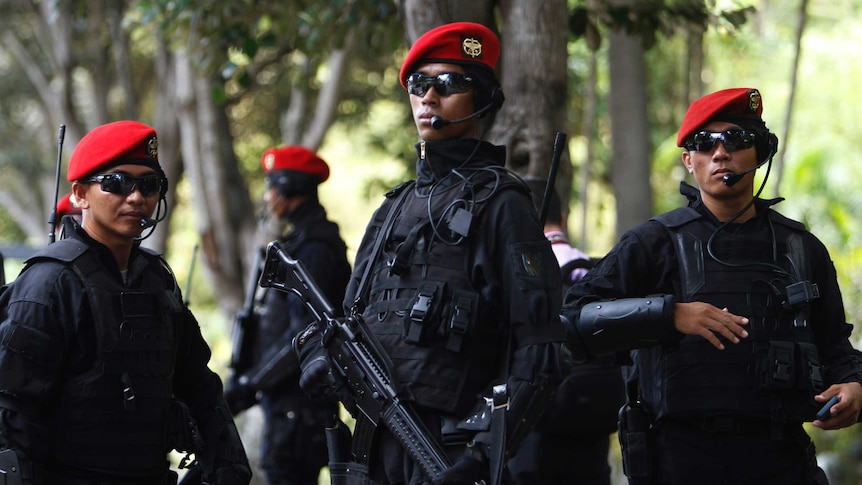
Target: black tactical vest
x,y
423,304
776,371
113,416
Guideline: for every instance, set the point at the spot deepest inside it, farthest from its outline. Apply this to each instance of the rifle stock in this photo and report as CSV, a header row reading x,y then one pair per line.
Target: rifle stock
x,y
359,363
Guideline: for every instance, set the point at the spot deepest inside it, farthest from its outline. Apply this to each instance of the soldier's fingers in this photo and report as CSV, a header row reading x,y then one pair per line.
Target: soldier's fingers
x,y
711,338
733,322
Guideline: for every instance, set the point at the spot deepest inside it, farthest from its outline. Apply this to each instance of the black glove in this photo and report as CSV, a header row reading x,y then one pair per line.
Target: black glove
x,y
315,370
471,468
238,394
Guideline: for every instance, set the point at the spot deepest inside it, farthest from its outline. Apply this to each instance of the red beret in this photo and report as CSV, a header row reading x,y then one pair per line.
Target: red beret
x,y
455,43
734,102
296,158
66,207
113,144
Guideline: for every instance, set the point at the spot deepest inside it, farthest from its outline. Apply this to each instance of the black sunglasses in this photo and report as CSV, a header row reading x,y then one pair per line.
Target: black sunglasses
x,y
733,140
125,184
445,83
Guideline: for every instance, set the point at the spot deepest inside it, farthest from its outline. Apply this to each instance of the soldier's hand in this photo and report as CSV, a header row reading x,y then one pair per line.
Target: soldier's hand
x,y
238,394
709,321
315,370
846,411
316,375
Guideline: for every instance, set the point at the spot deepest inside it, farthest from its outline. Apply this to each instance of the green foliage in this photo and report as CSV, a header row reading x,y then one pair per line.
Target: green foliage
x,y
650,18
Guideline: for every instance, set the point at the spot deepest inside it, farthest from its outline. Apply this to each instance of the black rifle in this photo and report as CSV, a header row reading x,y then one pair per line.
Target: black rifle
x,y
246,323
359,363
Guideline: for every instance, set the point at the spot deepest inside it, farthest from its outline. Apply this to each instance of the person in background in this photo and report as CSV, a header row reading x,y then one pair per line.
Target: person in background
x,y
735,315
293,444
570,443
66,206
455,278
103,369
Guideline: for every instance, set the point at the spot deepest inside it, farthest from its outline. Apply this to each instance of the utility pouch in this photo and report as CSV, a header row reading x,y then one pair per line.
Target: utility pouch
x,y
422,319
811,372
636,443
463,313
182,433
778,369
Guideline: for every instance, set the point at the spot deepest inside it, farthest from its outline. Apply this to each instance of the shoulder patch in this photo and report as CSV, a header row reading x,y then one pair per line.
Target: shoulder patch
x,y
534,265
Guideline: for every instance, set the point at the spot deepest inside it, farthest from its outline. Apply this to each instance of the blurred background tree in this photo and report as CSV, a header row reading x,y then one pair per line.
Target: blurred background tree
x,y
222,80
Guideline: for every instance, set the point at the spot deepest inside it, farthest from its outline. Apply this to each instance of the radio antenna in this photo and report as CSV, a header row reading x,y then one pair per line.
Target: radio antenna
x,y
52,220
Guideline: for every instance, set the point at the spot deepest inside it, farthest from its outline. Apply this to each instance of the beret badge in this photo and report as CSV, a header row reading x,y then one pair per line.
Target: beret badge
x,y
269,161
471,47
153,147
754,100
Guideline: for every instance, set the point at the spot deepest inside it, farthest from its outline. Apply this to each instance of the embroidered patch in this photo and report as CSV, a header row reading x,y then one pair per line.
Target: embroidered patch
x,y
532,263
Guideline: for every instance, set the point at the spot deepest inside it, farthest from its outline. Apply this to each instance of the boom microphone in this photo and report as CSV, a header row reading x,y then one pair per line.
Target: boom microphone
x,y
438,122
146,222
732,178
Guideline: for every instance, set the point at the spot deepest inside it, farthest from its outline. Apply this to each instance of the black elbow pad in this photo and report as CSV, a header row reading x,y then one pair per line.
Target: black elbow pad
x,y
611,326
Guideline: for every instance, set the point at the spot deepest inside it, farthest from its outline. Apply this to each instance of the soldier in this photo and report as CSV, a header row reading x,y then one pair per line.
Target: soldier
x,y
737,313
103,368
66,206
455,278
294,444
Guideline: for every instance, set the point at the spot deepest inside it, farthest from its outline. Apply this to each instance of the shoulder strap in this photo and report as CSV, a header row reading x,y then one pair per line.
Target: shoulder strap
x,y
64,250
677,217
362,289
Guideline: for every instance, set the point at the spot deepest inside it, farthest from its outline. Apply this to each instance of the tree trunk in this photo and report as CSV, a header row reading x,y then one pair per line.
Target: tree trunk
x,y
589,123
535,80
219,195
630,163
788,114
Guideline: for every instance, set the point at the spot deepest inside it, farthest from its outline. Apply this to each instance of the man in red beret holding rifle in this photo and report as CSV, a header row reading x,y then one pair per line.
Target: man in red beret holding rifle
x,y
735,314
293,443
103,369
456,281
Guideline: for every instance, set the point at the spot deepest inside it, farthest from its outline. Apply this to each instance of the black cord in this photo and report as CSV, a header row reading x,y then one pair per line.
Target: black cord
x,y
771,266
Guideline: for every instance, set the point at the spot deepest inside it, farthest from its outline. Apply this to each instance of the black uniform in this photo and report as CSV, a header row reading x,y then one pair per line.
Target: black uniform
x,y
102,372
731,416
294,444
464,276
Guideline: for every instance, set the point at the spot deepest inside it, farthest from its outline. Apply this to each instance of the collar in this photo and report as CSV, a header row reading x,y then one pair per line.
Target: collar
x,y
306,214
437,159
692,193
